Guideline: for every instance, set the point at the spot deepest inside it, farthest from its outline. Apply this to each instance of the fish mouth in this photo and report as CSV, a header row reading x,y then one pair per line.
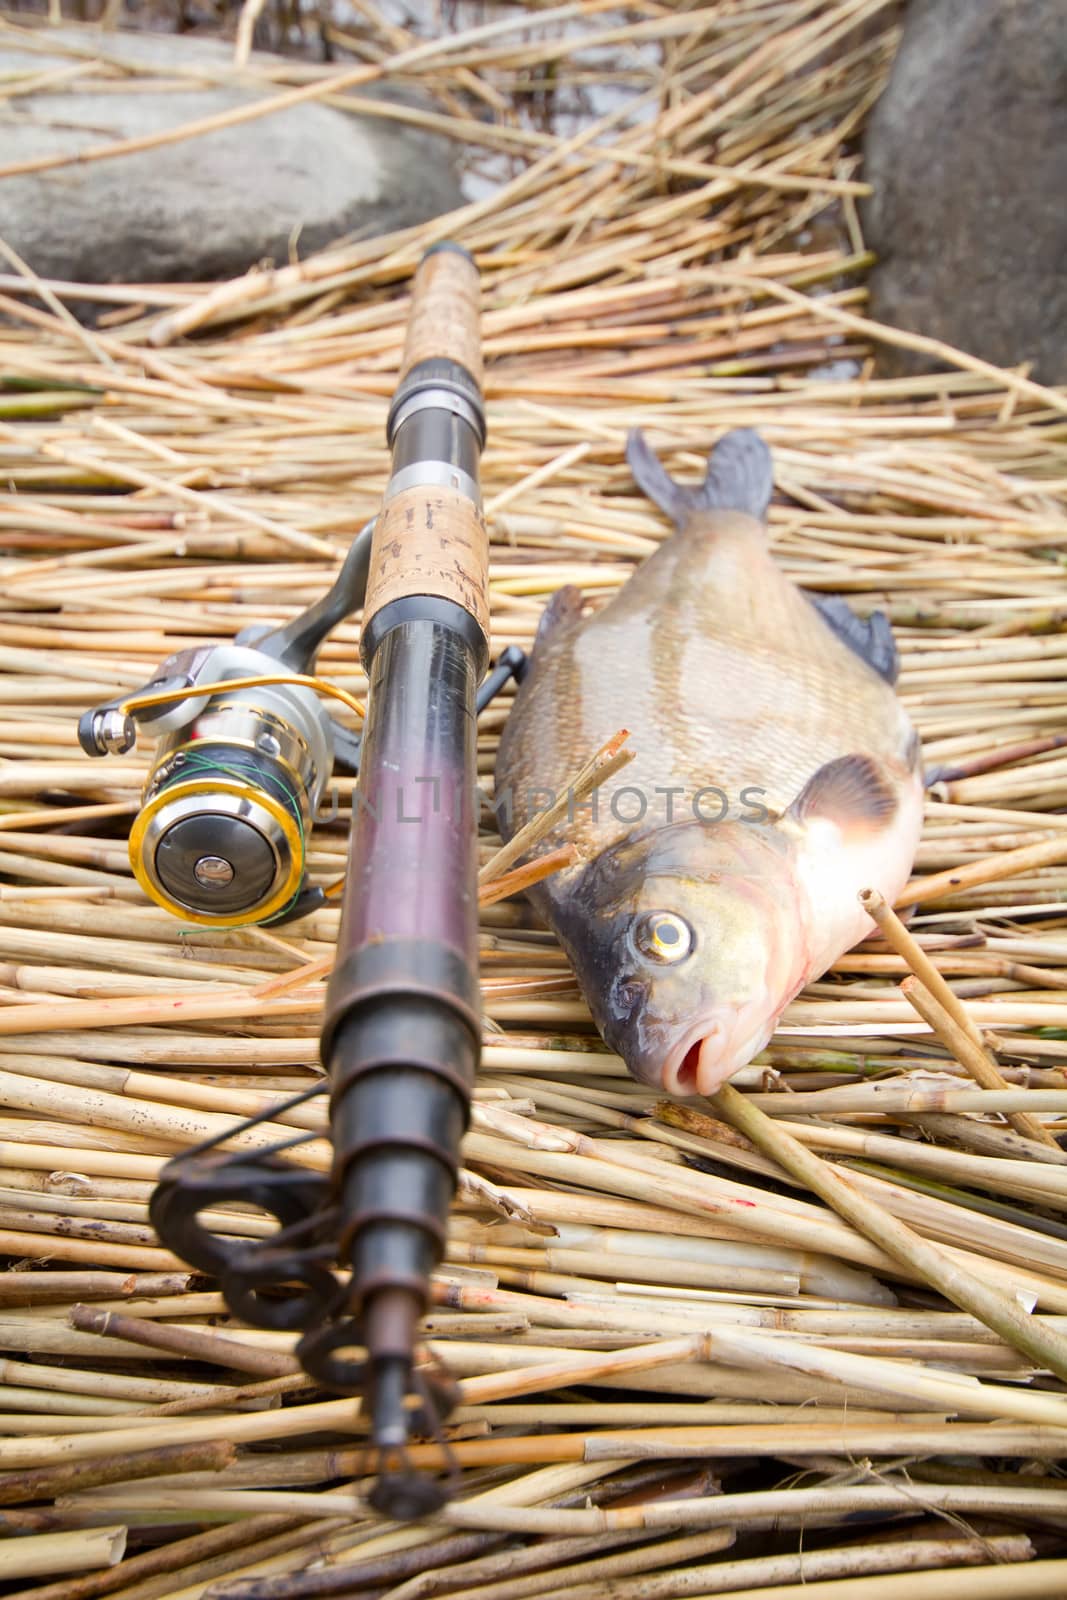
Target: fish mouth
x,y
696,1066
710,1055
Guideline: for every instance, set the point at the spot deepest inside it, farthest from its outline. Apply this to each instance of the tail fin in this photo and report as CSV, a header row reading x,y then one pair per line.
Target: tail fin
x,y
740,477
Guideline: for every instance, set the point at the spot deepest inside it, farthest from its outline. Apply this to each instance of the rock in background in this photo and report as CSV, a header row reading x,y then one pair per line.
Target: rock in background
x,y
967,152
208,207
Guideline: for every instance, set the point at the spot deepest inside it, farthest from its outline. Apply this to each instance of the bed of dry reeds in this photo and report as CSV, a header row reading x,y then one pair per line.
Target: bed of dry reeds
x,y
806,1339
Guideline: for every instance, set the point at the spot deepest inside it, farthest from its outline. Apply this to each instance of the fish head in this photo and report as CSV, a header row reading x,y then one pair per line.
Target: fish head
x,y
687,942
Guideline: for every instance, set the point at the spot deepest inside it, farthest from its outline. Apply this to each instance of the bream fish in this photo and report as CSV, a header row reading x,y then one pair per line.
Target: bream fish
x,y
775,775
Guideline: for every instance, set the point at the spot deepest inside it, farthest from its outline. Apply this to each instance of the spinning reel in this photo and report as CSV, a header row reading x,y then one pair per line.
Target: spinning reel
x,y
245,751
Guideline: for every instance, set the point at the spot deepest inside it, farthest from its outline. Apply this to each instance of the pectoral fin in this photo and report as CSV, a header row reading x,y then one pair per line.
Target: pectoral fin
x,y
852,792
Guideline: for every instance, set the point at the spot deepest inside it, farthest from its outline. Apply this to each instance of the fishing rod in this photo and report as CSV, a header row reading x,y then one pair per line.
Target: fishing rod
x,y
246,747
402,1027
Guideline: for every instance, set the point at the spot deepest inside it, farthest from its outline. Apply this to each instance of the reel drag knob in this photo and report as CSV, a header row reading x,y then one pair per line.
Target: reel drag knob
x,y
221,864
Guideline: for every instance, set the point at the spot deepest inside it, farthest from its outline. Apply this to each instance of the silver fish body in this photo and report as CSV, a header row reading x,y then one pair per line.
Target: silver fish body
x,y
775,775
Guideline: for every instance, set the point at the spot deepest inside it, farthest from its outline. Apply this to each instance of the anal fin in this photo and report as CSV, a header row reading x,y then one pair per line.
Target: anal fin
x,y
870,638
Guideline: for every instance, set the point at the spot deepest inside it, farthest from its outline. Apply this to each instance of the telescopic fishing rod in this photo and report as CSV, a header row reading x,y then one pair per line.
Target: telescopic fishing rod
x,y
246,747
402,1028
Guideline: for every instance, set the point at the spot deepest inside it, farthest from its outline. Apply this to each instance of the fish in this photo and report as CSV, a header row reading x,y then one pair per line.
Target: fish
x,y
775,775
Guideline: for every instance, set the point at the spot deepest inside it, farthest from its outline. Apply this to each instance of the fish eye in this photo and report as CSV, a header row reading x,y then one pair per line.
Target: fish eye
x,y
662,936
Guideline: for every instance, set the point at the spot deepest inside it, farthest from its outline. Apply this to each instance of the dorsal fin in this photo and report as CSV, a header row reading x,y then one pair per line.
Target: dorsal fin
x,y
740,477
565,606
852,792
871,638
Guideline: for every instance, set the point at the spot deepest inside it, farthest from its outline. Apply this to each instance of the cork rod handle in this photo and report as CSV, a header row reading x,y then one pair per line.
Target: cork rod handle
x,y
445,317
430,538
430,541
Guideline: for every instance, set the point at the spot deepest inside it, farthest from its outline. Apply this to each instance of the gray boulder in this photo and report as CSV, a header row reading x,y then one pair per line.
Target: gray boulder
x,y
208,207
967,152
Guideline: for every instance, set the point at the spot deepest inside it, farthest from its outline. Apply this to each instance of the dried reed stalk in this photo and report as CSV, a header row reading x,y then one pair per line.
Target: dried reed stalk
x,y
61,1552
953,1025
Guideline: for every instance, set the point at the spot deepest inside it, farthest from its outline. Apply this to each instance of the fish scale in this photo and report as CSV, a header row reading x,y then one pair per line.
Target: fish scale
x,y
723,672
